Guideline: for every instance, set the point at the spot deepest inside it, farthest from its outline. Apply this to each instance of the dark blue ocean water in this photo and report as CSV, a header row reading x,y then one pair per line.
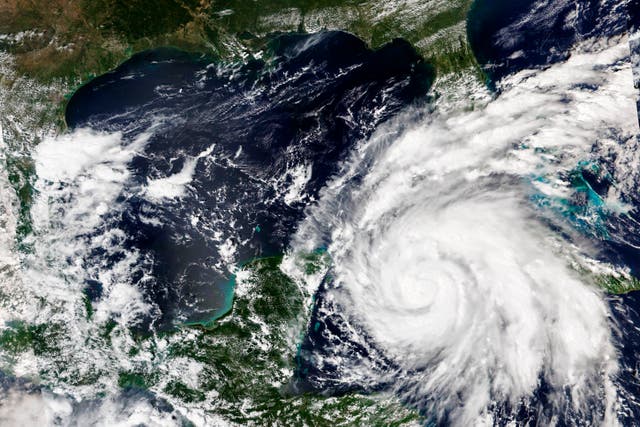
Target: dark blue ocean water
x,y
306,104
511,35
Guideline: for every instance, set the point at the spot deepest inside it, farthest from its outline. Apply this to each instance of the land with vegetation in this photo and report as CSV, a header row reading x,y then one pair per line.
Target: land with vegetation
x,y
69,41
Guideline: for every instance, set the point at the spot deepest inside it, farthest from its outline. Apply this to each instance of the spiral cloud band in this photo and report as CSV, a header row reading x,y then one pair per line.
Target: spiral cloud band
x,y
443,259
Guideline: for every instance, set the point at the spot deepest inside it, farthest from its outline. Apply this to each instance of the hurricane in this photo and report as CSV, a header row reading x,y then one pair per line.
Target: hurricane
x,y
454,256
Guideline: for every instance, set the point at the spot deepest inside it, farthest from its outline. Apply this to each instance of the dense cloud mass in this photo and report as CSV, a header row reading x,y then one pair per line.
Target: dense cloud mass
x,y
447,256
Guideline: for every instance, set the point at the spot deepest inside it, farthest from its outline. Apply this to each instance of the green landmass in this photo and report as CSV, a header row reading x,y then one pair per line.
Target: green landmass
x,y
618,284
75,40
239,368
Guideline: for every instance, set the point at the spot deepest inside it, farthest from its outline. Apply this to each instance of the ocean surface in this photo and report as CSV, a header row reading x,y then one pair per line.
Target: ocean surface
x,y
235,154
